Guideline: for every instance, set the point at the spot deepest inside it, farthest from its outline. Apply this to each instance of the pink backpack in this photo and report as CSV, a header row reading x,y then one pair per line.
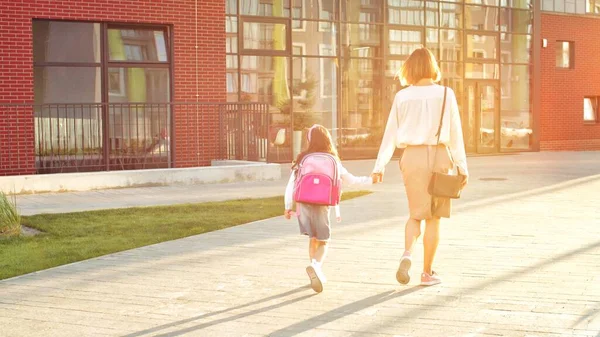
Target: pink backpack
x,y
318,181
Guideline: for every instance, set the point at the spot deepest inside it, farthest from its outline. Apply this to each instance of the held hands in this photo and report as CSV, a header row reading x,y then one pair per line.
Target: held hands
x,y
377,177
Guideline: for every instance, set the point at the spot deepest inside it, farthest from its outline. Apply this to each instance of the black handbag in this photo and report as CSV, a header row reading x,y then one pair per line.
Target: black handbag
x,y
444,185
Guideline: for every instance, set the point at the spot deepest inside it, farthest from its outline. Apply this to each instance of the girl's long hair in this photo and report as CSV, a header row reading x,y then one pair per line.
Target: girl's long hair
x,y
319,141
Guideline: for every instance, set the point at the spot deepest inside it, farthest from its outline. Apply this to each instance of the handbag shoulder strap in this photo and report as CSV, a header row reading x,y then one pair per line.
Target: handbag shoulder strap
x,y
439,131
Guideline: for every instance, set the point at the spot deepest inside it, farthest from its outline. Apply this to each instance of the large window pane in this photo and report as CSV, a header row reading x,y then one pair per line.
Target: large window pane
x,y
516,21
362,113
56,41
516,115
452,47
315,93
406,12
481,18
361,40
483,2
266,79
266,36
392,68
403,42
231,6
67,85
432,16
481,71
312,40
451,16
515,49
138,85
311,9
452,76
368,11
482,46
524,4
137,45
265,8
432,41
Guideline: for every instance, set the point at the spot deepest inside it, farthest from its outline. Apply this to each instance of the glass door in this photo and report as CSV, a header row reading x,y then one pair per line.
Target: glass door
x,y
481,120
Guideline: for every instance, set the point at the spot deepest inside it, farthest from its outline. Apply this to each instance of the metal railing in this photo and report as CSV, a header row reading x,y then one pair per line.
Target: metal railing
x,y
124,136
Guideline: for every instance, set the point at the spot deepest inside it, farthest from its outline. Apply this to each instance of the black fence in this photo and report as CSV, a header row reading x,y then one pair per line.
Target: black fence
x,y
125,136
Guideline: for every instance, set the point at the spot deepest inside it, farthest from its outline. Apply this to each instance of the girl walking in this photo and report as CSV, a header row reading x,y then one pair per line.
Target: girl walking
x,y
313,218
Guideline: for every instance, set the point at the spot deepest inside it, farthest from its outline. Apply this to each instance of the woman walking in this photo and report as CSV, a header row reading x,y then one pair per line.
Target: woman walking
x,y
413,124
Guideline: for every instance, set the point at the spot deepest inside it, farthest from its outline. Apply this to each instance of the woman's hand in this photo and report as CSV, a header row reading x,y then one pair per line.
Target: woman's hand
x,y
288,214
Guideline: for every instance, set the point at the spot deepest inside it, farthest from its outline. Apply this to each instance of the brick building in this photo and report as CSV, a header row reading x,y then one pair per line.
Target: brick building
x,y
115,84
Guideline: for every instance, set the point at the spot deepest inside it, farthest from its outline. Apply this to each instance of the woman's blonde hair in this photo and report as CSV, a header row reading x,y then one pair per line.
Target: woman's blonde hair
x,y
419,65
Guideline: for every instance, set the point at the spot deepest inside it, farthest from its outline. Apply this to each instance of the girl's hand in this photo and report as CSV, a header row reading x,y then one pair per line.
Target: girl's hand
x,y
288,214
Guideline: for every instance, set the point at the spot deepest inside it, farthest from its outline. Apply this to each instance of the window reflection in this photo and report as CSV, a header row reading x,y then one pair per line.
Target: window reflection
x,y
267,36
265,8
515,49
451,16
362,115
361,40
314,36
515,120
406,12
66,41
403,42
481,18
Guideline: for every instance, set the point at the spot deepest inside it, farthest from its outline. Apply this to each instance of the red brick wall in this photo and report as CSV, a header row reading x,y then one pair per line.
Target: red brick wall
x,y
563,90
16,69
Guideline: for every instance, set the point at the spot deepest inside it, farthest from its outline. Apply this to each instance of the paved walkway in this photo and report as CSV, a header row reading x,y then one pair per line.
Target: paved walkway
x,y
519,257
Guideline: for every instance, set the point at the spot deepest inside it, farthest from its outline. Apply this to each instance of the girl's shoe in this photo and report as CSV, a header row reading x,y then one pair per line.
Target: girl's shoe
x,y
402,275
315,281
429,280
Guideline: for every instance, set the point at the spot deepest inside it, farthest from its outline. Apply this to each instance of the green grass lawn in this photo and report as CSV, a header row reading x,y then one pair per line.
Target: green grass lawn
x,y
78,236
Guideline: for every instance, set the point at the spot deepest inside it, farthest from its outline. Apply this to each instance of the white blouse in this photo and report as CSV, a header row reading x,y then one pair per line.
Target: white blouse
x,y
414,120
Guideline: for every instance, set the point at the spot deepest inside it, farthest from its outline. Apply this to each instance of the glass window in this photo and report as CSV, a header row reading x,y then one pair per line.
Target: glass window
x,y
451,46
515,48
483,2
432,41
361,40
362,11
265,36
590,108
314,36
516,21
363,117
516,114
403,42
266,79
56,41
592,6
67,85
481,18
139,45
524,4
451,16
265,8
481,46
138,85
393,67
432,14
482,71
564,54
315,93
231,6
406,12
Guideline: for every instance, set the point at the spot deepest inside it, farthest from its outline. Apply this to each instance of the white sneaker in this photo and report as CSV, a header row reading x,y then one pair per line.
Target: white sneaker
x,y
315,274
